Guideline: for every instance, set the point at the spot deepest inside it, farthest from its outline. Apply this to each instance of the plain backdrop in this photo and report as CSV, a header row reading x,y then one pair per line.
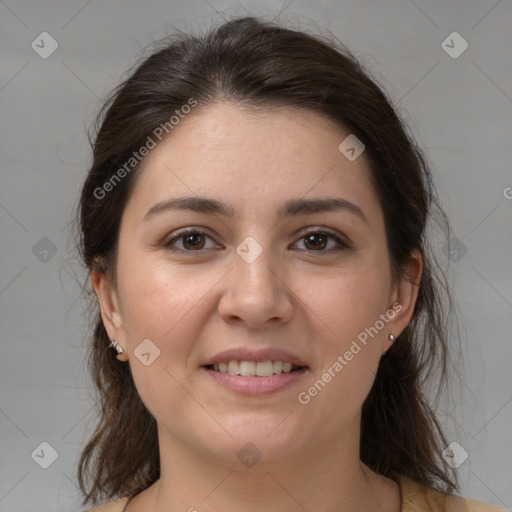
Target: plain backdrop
x,y
457,101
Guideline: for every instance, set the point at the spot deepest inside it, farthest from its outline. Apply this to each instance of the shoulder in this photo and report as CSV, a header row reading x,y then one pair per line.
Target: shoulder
x,y
417,498
112,506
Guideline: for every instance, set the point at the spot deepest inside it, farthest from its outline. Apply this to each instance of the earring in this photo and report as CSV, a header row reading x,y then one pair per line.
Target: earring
x,y
119,349
392,339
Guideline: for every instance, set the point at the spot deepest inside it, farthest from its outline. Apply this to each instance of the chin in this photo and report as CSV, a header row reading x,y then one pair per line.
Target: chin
x,y
255,441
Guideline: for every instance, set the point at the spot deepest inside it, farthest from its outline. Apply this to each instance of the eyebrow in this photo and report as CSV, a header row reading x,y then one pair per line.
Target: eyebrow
x,y
291,208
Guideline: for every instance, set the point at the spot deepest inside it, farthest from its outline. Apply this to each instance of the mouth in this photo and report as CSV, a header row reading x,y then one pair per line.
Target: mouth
x,y
254,368
253,373
255,385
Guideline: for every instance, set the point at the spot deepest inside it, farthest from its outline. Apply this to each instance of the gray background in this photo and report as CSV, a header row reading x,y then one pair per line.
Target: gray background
x,y
459,108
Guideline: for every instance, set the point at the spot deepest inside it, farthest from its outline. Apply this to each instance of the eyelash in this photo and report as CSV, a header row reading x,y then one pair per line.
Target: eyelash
x,y
341,245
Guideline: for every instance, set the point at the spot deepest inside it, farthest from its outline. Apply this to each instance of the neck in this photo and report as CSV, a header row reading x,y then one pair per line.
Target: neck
x,y
326,478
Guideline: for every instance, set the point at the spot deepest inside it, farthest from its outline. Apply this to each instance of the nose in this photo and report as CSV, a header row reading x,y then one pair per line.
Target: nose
x,y
256,293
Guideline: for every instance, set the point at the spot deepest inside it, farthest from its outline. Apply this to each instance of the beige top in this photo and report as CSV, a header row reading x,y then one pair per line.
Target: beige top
x,y
415,498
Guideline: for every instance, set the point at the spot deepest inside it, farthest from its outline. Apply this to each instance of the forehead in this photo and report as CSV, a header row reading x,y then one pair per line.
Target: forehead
x,y
253,159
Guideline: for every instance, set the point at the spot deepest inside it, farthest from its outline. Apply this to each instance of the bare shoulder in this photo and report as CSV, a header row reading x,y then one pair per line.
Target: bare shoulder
x,y
112,506
417,498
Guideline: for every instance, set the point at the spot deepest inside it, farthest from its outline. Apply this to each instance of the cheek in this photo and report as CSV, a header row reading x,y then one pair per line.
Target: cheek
x,y
348,299
158,296
158,304
349,304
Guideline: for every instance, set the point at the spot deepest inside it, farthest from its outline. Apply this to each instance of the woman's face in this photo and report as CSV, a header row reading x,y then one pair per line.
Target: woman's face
x,y
285,261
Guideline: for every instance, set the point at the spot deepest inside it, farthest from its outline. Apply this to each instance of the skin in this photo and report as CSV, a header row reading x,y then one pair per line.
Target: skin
x,y
312,302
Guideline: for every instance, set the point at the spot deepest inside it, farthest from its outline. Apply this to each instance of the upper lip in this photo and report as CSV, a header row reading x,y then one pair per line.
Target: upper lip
x,y
265,354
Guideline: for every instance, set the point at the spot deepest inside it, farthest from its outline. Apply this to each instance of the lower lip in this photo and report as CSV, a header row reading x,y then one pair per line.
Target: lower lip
x,y
256,385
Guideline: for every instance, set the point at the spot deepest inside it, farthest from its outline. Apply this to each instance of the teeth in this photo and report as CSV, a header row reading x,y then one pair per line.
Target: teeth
x,y
250,368
233,367
264,368
247,368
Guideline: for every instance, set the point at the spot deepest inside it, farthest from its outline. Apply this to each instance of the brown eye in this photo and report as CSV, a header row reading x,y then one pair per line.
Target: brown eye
x,y
318,241
315,241
190,241
193,241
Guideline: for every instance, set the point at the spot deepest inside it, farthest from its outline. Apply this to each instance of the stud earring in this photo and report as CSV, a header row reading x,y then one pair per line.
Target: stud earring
x,y
119,349
392,339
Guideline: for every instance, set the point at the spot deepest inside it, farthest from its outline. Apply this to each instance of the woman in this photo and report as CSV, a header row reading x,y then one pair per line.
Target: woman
x,y
254,226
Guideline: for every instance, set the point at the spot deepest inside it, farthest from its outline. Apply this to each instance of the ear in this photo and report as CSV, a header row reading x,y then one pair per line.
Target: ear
x,y
404,296
109,305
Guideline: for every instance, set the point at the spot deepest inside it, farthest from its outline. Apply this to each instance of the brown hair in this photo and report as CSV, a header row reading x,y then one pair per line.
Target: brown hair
x,y
262,64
